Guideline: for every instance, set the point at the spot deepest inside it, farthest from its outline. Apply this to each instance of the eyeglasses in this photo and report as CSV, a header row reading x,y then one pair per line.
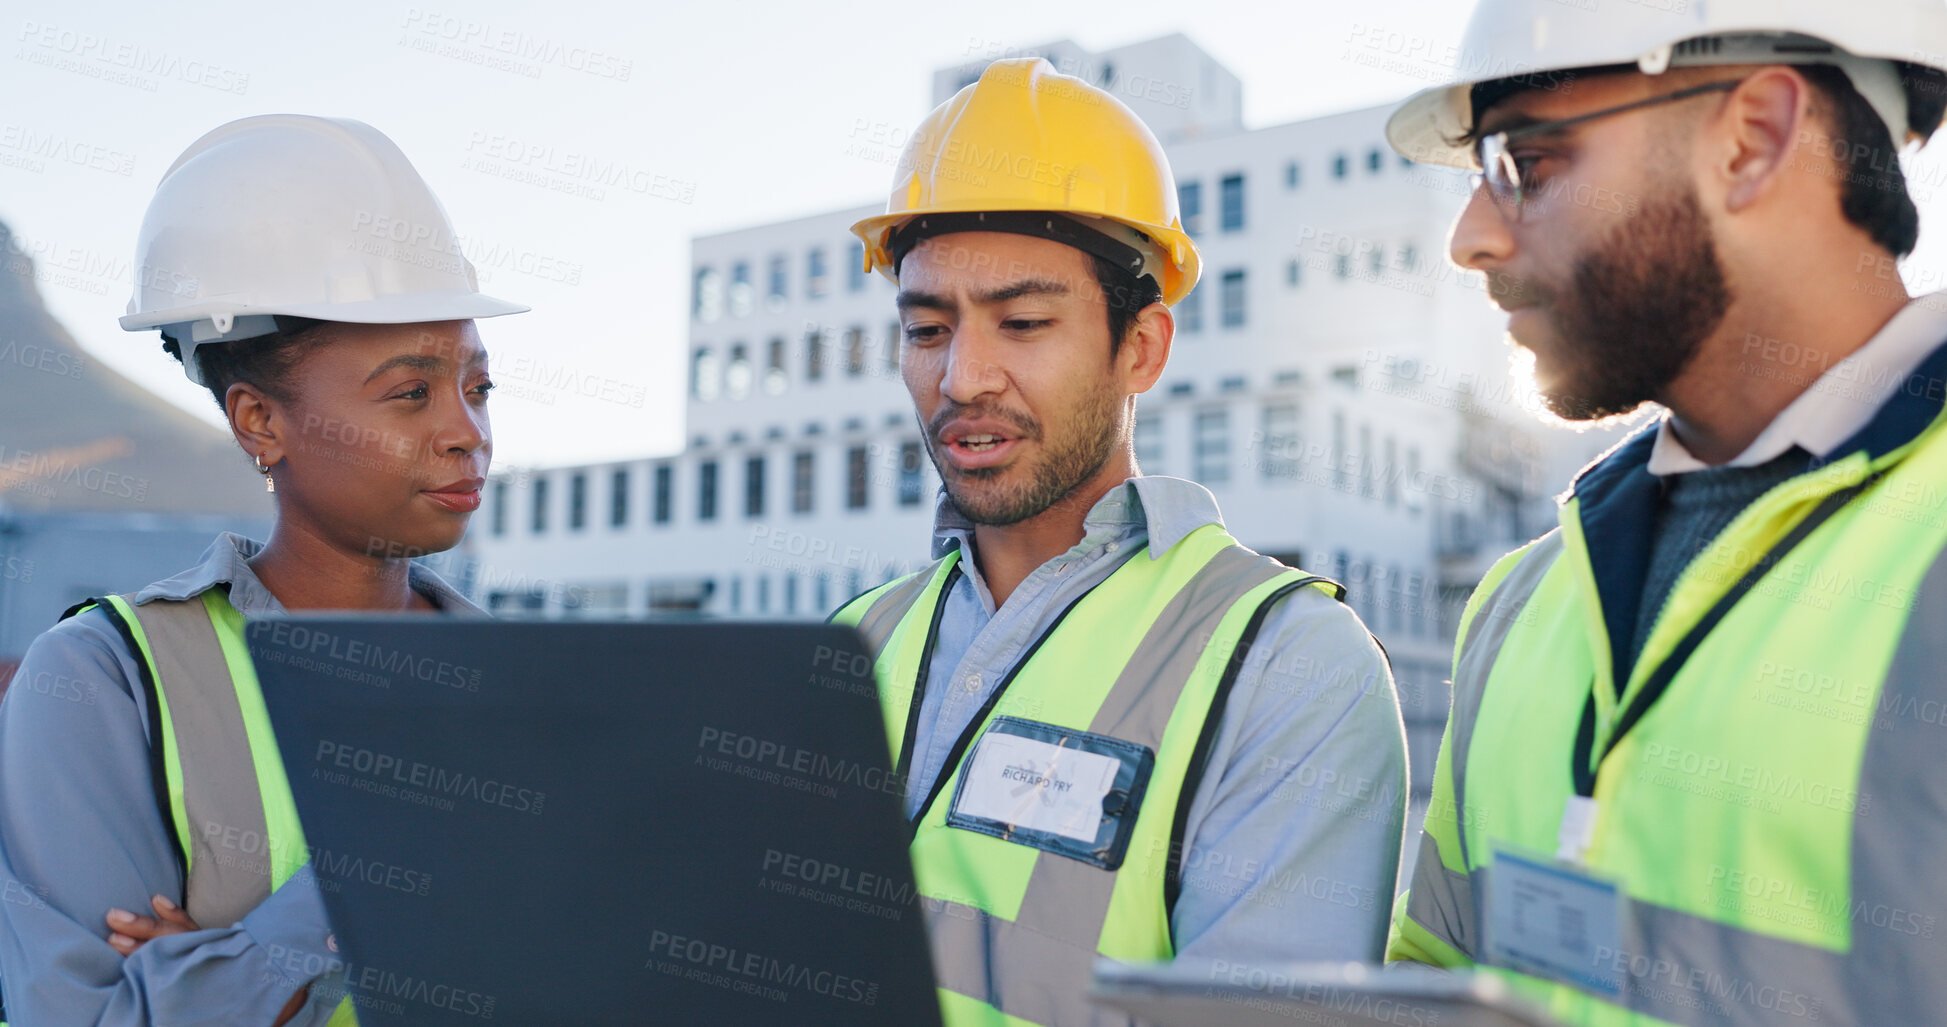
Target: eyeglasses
x,y
1502,173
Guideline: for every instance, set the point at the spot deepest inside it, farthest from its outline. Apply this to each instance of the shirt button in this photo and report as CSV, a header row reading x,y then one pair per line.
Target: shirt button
x,y
1110,548
973,682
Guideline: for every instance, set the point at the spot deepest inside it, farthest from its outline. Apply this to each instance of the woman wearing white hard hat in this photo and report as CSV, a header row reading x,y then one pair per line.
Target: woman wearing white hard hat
x,y
303,272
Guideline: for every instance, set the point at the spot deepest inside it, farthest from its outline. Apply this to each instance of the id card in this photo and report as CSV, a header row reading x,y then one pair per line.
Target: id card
x,y
1554,919
1052,788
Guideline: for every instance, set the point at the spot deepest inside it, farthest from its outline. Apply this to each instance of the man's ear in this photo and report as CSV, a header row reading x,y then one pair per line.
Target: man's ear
x,y
1146,348
256,421
1764,121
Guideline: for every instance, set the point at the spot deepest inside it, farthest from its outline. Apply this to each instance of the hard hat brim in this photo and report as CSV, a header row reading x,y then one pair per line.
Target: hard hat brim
x,y
458,305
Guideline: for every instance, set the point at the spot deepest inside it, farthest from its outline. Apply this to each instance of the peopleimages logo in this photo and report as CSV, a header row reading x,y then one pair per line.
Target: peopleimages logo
x,y
436,781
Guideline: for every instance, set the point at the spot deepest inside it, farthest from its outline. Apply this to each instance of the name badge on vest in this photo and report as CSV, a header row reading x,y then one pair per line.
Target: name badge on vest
x,y
1053,788
1553,918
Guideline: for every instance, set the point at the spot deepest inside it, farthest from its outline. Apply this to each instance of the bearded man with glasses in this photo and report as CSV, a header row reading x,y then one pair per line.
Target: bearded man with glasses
x,y
1693,772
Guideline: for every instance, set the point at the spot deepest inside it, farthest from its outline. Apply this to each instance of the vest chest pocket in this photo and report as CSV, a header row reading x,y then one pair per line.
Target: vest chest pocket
x,y
1052,788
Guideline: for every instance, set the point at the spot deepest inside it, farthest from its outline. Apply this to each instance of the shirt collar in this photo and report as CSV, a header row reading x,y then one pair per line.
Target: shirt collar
x,y
226,562
1166,509
1842,400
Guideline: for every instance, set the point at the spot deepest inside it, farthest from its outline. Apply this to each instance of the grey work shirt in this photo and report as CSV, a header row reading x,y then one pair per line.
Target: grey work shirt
x,y
1293,837
80,833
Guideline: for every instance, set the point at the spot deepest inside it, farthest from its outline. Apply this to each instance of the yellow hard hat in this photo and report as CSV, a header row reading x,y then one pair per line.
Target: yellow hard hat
x,y
1026,138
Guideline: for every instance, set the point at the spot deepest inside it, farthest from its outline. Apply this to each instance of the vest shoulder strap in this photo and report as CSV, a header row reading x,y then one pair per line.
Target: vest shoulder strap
x,y
121,613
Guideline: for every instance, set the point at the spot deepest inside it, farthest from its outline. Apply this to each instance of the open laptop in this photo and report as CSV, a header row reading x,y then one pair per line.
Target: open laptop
x,y
600,823
1216,993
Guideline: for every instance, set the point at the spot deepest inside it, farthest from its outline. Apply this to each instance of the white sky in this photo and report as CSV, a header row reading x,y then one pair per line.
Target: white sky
x,y
746,109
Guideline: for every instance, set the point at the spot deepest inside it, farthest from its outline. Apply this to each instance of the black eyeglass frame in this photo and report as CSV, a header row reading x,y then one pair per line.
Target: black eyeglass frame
x,y
1503,176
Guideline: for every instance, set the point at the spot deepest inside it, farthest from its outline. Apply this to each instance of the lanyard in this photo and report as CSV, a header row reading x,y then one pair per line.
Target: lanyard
x,y
1583,760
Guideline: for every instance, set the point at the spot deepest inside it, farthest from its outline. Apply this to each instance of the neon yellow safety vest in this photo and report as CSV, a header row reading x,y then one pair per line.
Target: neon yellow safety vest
x,y
1146,659
1771,778
219,777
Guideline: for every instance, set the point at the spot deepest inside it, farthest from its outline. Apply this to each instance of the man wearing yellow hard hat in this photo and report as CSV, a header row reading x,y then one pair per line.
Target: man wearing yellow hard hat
x,y
1122,733
1694,771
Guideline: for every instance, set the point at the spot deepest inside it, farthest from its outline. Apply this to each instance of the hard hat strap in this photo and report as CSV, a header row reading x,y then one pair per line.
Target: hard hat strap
x,y
1053,226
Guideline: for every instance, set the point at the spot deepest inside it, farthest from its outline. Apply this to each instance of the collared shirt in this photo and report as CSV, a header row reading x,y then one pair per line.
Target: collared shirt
x,y
1842,399
1293,837
80,833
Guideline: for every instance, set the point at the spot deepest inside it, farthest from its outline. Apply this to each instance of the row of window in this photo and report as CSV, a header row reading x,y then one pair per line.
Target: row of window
x,y
713,295
907,474
736,373
1276,451
738,376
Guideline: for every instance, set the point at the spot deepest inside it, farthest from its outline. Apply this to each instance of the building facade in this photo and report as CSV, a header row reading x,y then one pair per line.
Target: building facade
x,y
1336,383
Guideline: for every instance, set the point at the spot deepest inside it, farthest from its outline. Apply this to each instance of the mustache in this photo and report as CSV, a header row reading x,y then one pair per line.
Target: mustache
x,y
1021,424
1512,292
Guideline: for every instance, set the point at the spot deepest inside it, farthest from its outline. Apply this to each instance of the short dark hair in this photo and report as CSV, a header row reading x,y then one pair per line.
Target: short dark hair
x,y
1126,295
1872,189
264,361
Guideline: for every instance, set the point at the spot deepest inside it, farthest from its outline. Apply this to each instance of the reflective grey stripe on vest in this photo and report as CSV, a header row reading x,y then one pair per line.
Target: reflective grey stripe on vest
x,y
1690,969
1037,968
888,610
1442,900
229,868
1486,633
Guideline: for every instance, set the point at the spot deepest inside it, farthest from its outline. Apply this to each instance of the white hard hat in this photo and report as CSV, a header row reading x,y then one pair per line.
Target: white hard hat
x,y
302,216
1537,40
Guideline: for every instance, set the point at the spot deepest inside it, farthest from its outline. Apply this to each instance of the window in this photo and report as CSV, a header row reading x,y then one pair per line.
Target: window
x,y
1365,461
1291,175
540,514
1233,298
801,482
855,274
1340,165
763,593
775,378
892,348
500,509
1212,452
1189,204
706,491
1341,473
856,478
816,281
736,595
736,376
661,499
740,296
779,269
1292,273
1342,265
1280,458
618,497
1391,470
1374,160
577,501
1409,258
1376,260
854,352
1231,203
754,487
814,355
912,484
1189,312
1149,442
791,593
703,374
706,298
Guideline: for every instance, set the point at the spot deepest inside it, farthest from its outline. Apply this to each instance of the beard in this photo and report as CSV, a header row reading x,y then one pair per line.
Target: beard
x,y
1638,308
986,496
